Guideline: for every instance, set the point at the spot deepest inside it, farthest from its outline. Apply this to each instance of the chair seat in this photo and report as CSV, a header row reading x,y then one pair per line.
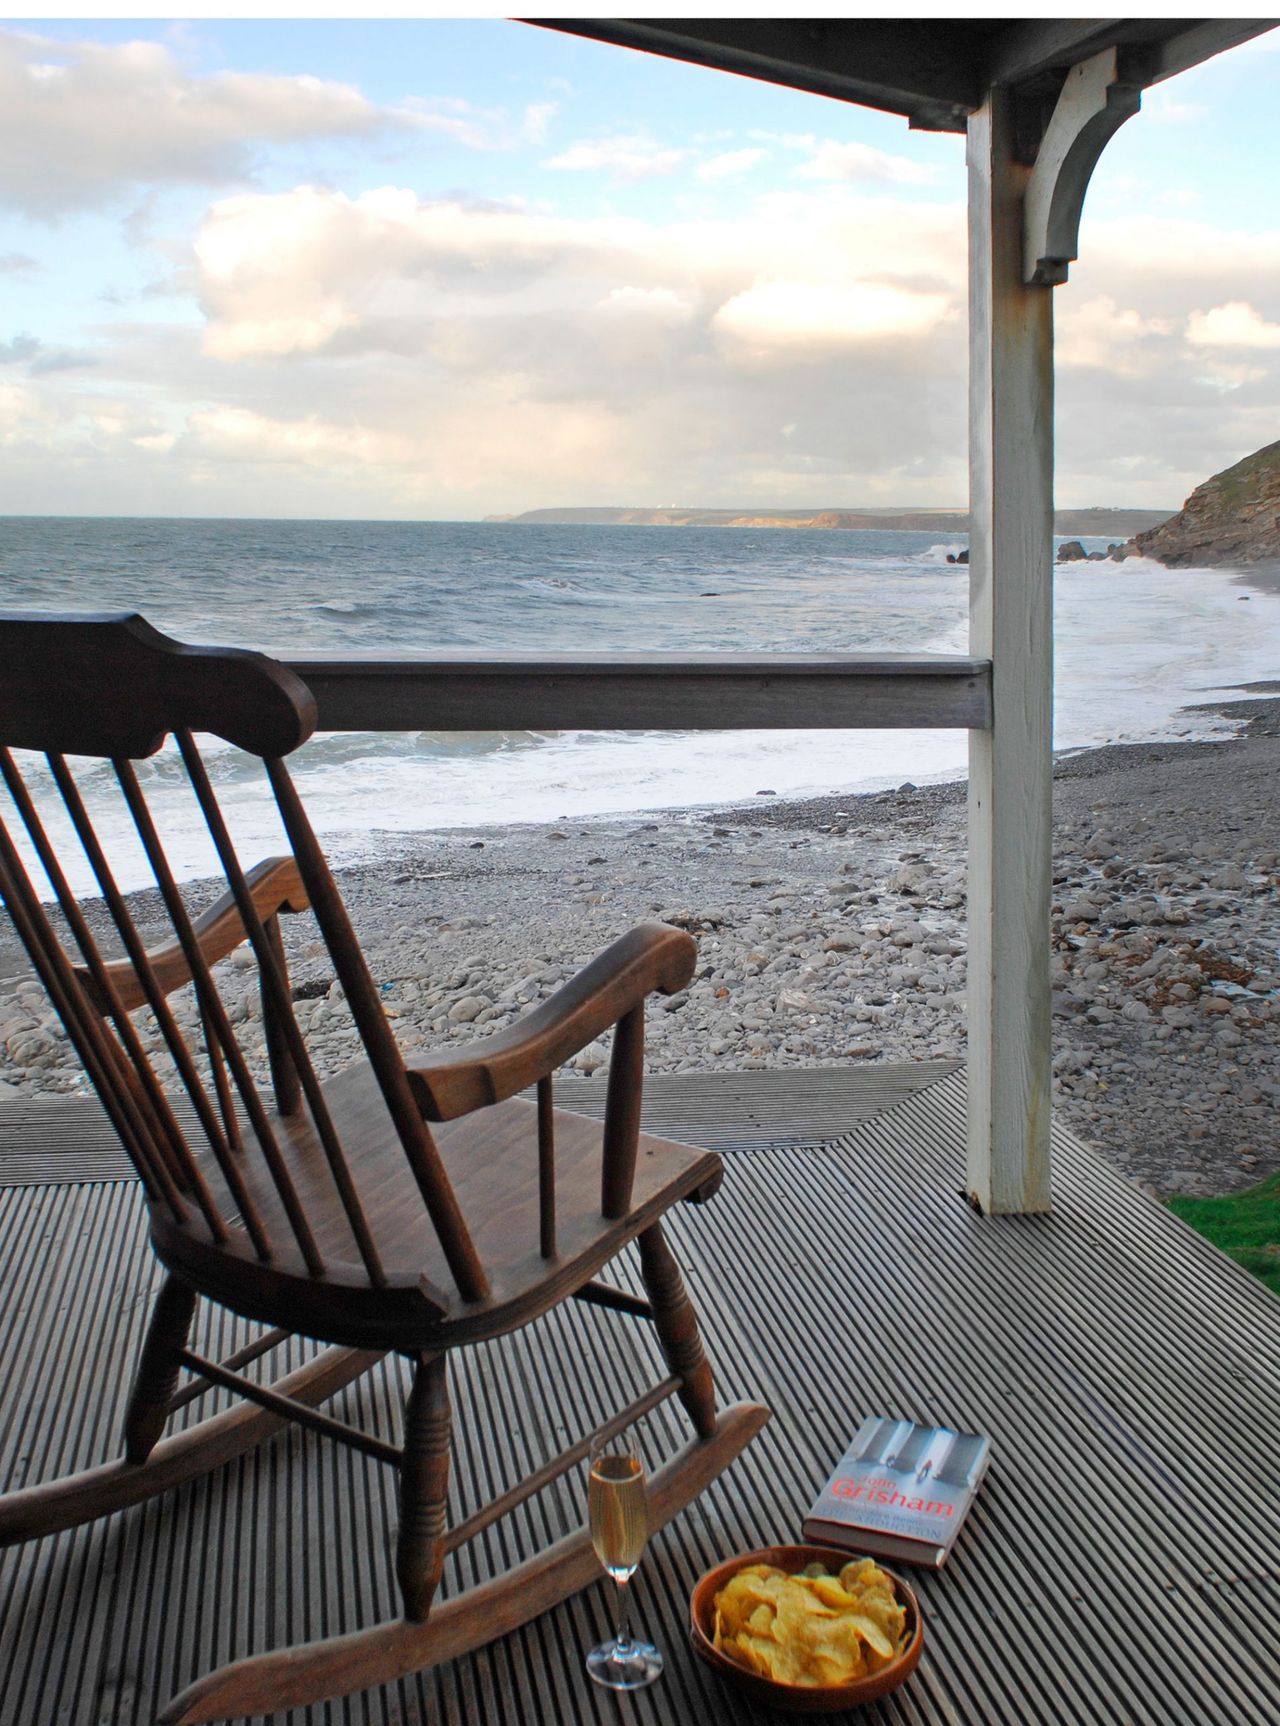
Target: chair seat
x,y
491,1157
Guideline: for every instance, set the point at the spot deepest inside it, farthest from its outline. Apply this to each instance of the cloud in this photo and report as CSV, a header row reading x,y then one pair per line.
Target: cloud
x,y
386,353
731,163
664,356
629,157
1148,368
864,163
537,121
82,122
1100,333
784,318
1234,325
314,271
39,360
241,435
18,414
458,121
61,360
18,351
1159,257
47,418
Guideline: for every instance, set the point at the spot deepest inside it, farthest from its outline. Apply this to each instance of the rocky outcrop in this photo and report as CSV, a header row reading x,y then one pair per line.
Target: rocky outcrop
x,y
1230,521
1071,551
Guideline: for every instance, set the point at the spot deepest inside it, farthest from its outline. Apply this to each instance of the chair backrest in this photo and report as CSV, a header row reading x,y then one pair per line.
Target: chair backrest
x,y
114,688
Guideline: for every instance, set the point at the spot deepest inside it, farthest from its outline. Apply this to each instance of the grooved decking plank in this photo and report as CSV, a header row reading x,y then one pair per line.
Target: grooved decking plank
x,y
1121,1566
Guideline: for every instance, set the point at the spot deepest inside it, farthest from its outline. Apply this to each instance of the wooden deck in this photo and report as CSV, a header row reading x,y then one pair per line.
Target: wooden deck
x,y
1121,1566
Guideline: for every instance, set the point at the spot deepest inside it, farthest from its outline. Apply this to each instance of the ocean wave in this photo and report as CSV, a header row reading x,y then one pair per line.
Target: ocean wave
x,y
546,584
340,748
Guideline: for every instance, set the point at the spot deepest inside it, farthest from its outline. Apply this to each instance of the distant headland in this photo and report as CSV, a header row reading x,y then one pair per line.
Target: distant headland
x,y
1116,522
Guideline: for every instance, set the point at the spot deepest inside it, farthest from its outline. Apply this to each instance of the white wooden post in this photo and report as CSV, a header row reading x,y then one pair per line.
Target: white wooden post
x,y
1011,622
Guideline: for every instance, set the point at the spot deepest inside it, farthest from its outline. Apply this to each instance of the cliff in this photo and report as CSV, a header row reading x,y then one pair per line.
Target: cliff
x,y
1231,520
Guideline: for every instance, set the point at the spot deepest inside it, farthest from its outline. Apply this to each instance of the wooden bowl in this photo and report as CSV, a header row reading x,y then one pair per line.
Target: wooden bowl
x,y
801,1698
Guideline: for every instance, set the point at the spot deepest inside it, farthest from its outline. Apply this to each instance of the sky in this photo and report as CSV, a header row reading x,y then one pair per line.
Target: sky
x,y
442,269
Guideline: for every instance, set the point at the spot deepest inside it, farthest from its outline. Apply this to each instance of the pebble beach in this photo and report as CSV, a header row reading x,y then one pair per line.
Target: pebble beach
x,y
833,931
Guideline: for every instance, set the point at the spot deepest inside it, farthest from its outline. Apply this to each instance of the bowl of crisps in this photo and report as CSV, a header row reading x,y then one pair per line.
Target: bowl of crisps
x,y
807,1628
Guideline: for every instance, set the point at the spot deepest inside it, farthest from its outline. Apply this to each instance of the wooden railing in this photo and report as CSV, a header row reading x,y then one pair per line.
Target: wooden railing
x,y
483,691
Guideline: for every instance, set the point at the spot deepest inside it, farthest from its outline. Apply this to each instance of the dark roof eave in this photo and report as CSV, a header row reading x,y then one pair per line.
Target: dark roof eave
x,y
933,71
922,73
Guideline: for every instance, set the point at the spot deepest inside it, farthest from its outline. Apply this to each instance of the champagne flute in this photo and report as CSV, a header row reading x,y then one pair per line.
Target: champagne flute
x,y
619,1517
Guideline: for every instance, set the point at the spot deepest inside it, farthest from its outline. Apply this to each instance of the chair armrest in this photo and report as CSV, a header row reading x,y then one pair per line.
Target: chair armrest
x,y
274,884
650,956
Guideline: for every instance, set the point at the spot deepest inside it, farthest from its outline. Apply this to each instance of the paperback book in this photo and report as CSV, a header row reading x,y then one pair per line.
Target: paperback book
x,y
901,1491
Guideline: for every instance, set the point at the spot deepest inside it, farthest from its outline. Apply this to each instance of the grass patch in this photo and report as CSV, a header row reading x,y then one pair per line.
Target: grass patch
x,y
1245,1225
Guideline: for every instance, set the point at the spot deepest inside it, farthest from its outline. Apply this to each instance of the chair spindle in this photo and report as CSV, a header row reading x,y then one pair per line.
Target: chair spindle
x,y
284,1073
221,1083
622,1114
273,982
546,1169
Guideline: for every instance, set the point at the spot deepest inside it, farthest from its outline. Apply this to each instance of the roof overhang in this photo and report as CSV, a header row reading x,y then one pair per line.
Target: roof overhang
x,y
935,71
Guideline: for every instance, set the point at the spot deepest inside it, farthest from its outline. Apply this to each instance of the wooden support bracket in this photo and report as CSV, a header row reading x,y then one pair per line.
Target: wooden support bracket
x,y
1094,103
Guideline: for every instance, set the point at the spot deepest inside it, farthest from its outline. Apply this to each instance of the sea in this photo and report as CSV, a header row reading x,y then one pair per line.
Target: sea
x,y
1137,646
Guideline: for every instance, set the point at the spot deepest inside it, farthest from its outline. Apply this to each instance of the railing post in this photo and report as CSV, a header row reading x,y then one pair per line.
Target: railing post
x,y
1011,622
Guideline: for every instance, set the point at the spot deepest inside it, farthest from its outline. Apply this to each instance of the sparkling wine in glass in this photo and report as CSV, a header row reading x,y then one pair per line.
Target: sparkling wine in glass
x,y
619,1512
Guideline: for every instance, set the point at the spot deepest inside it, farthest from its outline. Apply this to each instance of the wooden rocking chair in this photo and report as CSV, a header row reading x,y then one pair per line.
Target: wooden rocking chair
x,y
329,1208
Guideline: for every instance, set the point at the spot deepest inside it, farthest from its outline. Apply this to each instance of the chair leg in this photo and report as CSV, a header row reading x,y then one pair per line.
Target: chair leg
x,y
157,1374
677,1327
424,1487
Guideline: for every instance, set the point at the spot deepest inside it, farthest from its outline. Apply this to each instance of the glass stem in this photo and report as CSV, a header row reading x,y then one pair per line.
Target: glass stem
x,y
623,1638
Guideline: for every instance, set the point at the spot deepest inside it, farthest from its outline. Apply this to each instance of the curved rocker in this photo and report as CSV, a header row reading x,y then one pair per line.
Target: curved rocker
x,y
310,1671
33,1511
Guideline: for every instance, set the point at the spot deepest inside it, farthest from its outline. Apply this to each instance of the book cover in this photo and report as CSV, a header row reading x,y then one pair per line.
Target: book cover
x,y
901,1490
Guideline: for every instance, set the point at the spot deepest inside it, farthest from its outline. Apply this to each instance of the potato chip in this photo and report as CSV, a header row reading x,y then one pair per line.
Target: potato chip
x,y
829,1591
875,1597
811,1629
872,1635
756,1653
824,1668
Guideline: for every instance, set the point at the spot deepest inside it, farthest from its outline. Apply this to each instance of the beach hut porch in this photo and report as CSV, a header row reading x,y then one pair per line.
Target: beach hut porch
x,y
1120,1564
1118,1568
